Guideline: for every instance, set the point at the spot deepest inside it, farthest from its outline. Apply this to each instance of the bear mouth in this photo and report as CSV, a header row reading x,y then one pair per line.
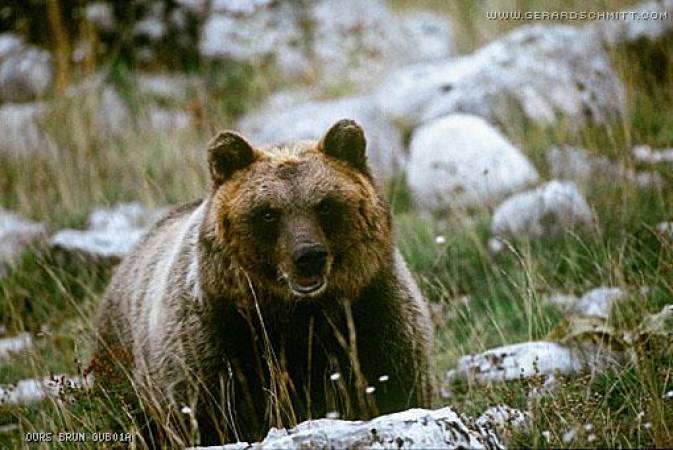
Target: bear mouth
x,y
308,286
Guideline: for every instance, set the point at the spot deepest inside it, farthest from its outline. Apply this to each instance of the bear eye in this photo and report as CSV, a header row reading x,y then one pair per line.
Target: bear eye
x,y
269,215
324,207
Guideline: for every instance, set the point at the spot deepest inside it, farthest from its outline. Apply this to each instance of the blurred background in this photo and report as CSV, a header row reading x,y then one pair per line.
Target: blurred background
x,y
527,157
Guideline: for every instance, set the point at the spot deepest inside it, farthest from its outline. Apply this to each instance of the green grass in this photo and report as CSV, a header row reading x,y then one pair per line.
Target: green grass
x,y
55,298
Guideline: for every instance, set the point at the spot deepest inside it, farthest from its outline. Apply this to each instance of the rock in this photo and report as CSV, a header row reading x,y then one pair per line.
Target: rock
x,y
29,391
598,302
311,120
549,210
506,420
9,428
431,35
645,154
111,117
22,132
252,33
111,235
524,360
16,235
632,25
20,343
574,163
25,70
460,161
357,41
561,300
168,87
411,429
328,41
543,71
665,229
101,15
166,120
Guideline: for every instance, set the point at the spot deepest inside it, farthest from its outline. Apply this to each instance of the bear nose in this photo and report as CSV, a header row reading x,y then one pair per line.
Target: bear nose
x,y
309,259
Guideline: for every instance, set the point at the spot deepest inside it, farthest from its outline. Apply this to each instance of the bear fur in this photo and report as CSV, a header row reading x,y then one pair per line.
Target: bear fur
x,y
279,297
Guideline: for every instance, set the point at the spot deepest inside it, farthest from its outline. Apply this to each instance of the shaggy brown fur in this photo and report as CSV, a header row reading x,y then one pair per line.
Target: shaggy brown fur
x,y
242,305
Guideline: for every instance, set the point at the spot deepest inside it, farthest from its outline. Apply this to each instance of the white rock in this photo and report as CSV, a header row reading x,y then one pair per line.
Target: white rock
x,y
574,163
347,40
167,87
251,33
25,70
105,244
411,429
110,115
17,234
460,161
238,7
505,419
569,435
524,360
111,234
22,132
20,343
35,390
151,27
122,216
358,41
598,302
545,71
549,210
645,154
101,15
431,35
561,300
166,120
665,229
312,120
632,27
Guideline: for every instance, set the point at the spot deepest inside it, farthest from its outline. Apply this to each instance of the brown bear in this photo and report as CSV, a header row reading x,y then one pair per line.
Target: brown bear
x,y
279,297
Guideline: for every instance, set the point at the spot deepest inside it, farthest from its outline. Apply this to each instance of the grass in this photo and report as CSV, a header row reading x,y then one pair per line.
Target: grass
x,y
56,298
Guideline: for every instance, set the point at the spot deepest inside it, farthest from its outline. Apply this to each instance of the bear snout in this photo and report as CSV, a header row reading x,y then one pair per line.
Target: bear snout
x,y
309,259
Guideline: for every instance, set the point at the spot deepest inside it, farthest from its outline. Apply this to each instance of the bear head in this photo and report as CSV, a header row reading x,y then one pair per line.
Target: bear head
x,y
300,221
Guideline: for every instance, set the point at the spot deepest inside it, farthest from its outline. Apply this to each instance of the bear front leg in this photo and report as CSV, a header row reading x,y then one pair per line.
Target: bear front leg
x,y
395,345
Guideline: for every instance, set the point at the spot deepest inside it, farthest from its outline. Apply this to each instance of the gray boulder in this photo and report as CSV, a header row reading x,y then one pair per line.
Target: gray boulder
x,y
549,210
516,361
33,390
578,165
16,235
412,429
646,155
13,345
328,41
643,21
112,233
311,120
25,70
460,161
22,132
545,71
597,302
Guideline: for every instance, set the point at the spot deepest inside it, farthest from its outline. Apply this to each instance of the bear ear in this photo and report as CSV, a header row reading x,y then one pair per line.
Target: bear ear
x,y
227,153
346,141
